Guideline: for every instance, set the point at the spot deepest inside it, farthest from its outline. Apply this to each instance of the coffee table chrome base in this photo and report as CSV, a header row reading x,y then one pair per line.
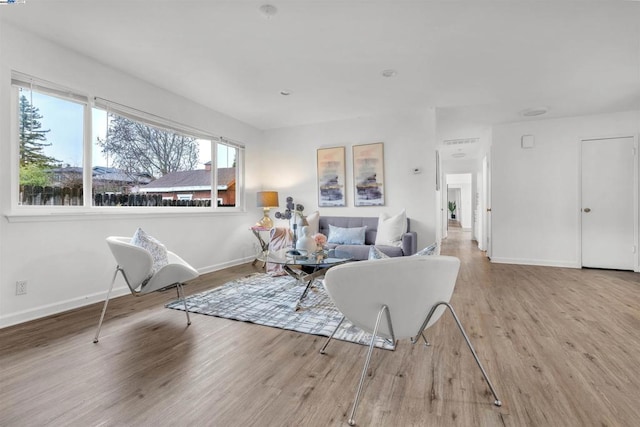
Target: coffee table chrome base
x,y
305,279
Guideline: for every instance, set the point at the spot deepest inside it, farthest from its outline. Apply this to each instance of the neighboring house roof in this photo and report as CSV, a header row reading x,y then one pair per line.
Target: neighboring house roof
x,y
101,173
99,170
195,180
68,169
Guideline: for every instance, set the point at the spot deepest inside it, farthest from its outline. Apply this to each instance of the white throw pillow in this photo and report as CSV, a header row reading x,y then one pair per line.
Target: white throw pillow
x,y
157,250
391,229
313,220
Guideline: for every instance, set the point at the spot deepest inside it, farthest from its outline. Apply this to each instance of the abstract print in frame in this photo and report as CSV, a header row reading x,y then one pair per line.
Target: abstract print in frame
x,y
368,174
331,177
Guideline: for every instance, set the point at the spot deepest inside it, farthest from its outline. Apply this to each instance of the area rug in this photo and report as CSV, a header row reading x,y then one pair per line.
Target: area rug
x,y
270,301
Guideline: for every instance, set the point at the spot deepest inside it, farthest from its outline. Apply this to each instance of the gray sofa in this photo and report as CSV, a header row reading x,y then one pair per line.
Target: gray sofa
x,y
360,252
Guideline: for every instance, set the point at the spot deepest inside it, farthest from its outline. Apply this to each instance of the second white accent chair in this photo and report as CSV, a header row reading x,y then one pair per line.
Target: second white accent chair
x,y
396,298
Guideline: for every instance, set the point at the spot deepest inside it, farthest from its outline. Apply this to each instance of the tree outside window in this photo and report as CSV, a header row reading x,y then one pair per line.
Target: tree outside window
x,y
50,147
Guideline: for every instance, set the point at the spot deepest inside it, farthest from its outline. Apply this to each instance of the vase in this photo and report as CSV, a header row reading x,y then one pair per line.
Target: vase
x,y
305,241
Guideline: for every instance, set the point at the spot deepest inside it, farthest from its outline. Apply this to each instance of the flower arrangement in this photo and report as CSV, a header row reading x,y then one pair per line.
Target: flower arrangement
x,y
320,239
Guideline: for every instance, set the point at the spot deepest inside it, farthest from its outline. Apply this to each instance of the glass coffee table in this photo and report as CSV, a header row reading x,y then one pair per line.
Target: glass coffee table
x,y
305,269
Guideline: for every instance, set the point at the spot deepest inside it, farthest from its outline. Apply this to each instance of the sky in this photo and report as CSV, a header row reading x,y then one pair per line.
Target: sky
x,y
65,121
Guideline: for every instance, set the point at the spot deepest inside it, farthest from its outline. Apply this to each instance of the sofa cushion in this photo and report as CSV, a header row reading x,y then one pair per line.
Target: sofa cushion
x,y
347,236
313,219
157,250
361,252
391,229
350,222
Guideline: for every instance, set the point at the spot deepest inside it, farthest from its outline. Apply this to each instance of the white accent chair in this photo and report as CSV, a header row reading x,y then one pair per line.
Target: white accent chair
x,y
135,264
411,293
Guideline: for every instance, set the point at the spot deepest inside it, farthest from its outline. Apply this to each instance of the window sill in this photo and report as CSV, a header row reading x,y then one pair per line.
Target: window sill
x,y
101,213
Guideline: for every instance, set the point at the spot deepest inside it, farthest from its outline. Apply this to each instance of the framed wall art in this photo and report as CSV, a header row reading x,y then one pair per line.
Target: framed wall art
x,y
368,174
331,177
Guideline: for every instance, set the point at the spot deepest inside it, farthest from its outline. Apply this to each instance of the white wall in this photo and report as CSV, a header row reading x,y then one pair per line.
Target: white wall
x,y
409,143
65,259
535,192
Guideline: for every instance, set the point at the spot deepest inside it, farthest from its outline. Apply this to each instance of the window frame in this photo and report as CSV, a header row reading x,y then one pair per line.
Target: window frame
x,y
19,212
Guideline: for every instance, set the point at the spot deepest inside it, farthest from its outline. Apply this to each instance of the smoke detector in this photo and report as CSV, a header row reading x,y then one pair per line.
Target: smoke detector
x,y
268,10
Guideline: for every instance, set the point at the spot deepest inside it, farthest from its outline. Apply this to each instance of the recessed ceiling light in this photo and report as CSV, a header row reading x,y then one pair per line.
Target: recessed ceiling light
x,y
458,155
389,73
285,92
536,111
268,10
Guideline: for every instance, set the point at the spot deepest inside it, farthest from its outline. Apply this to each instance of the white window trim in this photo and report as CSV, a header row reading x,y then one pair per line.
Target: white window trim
x,y
22,213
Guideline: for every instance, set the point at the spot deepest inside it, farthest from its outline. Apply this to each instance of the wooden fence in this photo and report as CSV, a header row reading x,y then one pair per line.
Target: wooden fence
x,y
34,195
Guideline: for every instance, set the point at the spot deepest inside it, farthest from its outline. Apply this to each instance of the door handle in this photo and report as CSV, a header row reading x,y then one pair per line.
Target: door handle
x,y
587,210
488,209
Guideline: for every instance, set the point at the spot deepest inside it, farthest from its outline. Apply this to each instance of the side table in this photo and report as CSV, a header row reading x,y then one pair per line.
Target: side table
x,y
264,245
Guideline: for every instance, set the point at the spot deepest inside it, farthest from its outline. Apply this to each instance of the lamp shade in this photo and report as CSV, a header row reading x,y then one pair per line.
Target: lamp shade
x,y
267,199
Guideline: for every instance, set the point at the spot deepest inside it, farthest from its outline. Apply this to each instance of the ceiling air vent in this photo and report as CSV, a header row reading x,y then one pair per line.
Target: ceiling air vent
x,y
463,141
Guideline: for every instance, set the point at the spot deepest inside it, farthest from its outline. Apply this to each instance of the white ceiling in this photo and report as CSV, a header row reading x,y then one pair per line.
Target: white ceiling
x,y
477,62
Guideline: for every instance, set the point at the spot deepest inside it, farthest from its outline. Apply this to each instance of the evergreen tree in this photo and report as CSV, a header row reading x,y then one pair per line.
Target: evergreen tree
x,y
32,137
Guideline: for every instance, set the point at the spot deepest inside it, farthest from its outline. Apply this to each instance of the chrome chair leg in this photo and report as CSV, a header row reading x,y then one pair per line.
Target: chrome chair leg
x,y
497,401
426,342
181,296
324,347
384,308
106,301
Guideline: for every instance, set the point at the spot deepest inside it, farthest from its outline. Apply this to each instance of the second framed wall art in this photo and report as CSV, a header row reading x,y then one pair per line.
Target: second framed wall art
x,y
368,174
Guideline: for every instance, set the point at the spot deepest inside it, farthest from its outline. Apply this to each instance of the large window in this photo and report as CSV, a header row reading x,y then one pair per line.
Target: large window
x,y
132,159
50,138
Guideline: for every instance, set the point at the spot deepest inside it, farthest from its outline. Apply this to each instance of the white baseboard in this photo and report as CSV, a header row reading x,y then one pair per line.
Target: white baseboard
x,y
232,263
62,306
58,307
539,262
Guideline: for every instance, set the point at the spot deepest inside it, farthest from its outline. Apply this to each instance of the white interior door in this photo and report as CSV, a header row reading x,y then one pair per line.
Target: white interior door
x,y
486,172
608,232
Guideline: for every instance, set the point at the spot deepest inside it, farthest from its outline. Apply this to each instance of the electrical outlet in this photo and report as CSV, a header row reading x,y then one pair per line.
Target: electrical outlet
x,y
21,287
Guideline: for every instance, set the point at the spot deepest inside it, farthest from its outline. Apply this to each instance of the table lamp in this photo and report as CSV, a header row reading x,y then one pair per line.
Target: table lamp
x,y
266,200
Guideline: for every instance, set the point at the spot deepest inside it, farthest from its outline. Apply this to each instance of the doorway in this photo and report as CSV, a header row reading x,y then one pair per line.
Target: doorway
x,y
609,203
460,203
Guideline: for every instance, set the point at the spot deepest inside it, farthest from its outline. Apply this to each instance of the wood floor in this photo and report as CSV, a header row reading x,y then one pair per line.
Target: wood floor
x,y
560,345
